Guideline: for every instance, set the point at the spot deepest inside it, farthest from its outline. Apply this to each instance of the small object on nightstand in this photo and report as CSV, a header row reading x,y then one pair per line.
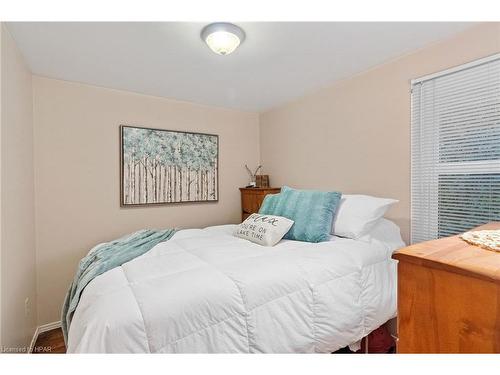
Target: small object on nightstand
x,y
251,199
252,175
262,180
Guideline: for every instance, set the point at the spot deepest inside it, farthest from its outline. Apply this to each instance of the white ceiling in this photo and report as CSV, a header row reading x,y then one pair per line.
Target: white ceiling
x,y
276,63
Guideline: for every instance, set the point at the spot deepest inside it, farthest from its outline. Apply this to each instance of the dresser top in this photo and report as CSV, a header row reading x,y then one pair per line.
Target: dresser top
x,y
455,255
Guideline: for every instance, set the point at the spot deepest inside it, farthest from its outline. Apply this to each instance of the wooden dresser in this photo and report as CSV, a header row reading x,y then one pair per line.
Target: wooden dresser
x,y
251,199
448,297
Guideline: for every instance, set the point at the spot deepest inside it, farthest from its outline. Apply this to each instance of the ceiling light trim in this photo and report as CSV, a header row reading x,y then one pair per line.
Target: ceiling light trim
x,y
222,27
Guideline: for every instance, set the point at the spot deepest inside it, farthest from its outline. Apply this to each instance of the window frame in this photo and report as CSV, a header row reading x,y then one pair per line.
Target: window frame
x,y
439,167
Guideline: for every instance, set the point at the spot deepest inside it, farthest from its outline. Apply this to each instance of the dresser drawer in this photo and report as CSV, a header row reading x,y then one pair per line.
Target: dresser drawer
x,y
446,312
448,297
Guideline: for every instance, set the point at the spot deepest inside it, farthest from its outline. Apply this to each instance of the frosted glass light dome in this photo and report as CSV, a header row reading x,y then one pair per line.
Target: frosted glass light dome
x,y
222,38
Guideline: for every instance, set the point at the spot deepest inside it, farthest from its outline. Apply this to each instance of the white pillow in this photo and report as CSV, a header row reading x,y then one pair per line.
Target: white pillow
x,y
266,230
357,214
386,232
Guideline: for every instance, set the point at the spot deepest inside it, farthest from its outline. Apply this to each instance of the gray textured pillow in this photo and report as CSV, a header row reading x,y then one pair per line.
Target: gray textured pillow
x,y
266,230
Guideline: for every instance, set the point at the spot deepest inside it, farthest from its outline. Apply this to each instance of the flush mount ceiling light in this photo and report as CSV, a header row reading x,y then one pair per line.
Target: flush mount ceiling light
x,y
222,37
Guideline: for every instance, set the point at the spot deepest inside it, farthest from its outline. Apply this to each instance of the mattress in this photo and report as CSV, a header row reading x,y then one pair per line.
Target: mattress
x,y
206,291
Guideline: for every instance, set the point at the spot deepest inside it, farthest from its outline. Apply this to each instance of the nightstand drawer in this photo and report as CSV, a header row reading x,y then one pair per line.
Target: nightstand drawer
x,y
252,198
244,216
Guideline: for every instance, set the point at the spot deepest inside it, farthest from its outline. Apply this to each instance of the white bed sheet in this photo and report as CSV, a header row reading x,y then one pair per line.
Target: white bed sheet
x,y
207,291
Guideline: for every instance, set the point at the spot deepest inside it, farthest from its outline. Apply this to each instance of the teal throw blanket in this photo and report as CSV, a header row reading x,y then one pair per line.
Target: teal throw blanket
x,y
105,257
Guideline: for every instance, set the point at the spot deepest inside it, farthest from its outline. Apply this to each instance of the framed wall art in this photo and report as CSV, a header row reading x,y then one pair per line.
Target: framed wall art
x,y
165,166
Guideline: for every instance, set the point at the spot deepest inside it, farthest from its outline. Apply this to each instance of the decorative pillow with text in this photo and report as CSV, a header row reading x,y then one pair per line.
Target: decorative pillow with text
x,y
266,230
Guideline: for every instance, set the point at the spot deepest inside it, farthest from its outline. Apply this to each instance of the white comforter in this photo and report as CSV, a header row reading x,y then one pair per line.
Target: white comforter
x,y
207,291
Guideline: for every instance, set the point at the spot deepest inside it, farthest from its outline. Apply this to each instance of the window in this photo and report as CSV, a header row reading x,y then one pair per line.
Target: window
x,y
455,150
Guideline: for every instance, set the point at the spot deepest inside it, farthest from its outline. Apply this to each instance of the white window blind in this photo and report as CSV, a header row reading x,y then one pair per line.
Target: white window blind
x,y
455,150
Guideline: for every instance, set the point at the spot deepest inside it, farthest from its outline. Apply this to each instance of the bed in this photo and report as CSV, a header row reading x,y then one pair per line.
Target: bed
x,y
206,291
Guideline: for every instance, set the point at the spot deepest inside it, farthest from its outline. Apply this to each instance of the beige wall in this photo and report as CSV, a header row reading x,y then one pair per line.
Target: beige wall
x,y
17,198
77,173
352,136
355,135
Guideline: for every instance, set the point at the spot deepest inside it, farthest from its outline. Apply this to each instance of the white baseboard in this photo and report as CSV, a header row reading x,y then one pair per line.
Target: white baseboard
x,y
33,339
41,329
49,326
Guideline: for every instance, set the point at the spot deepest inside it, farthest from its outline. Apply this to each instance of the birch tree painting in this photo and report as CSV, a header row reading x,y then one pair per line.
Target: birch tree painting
x,y
162,166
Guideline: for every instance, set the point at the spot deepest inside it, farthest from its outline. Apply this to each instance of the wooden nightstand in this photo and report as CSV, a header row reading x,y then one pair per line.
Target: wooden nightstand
x,y
251,199
448,297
